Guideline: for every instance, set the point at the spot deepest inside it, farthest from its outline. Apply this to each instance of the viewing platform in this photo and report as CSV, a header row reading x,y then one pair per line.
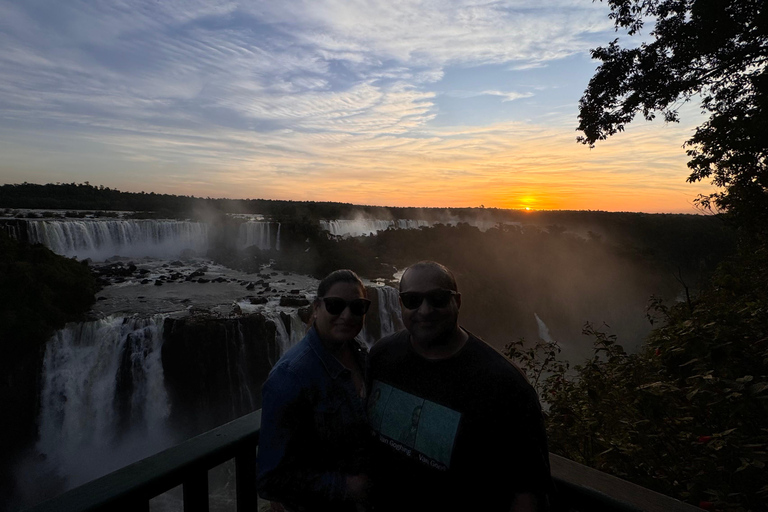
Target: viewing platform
x,y
579,488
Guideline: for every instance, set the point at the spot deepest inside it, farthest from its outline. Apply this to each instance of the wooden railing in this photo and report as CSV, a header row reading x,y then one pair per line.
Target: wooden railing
x,y
579,488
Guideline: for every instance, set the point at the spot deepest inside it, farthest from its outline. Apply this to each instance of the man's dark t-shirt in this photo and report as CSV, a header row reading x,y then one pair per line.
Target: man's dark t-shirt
x,y
463,433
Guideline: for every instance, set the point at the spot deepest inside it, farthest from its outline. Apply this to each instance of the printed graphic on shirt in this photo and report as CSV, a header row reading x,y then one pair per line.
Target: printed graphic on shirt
x,y
416,427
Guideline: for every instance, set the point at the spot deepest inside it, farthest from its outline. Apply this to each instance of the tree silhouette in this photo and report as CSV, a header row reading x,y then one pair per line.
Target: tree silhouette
x,y
716,50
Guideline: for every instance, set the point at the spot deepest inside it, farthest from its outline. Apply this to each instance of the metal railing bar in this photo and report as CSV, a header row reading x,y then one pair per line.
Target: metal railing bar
x,y
585,488
245,476
195,492
154,475
131,488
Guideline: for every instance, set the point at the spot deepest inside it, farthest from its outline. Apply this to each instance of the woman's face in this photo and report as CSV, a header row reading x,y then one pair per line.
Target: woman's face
x,y
337,329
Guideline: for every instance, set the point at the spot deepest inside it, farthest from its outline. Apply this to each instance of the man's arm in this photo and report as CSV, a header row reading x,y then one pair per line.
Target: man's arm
x,y
538,459
527,448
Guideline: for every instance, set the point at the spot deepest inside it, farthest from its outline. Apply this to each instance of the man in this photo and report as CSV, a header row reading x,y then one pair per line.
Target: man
x,y
477,441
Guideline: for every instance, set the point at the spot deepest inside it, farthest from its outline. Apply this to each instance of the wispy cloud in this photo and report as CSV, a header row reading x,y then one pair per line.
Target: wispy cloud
x,y
321,99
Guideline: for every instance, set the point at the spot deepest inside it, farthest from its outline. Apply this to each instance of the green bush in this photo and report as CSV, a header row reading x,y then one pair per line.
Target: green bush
x,y
686,415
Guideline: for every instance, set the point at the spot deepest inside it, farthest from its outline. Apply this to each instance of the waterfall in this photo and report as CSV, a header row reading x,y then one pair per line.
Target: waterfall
x,y
366,227
12,228
284,338
357,227
386,319
543,330
239,386
412,224
258,233
390,316
103,397
101,239
277,242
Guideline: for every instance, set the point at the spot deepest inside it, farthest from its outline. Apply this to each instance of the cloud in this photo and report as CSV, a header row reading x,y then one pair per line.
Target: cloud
x,y
508,96
528,65
320,99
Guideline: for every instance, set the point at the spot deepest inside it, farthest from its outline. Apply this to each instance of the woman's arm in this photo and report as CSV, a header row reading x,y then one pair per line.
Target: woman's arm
x,y
285,473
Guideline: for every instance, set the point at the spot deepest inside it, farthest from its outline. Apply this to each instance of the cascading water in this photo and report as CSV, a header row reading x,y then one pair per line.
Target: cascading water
x,y
357,227
390,316
239,386
543,329
367,227
284,338
103,398
100,239
258,233
277,242
412,224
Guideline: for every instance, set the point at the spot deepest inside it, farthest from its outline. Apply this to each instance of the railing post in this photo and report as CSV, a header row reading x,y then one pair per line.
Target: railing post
x,y
196,491
245,475
136,505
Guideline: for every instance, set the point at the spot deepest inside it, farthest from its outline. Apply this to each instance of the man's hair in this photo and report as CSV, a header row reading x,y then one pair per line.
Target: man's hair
x,y
338,276
443,273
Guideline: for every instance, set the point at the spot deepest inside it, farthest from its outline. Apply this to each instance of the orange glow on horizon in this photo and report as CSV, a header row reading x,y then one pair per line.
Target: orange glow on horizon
x,y
537,169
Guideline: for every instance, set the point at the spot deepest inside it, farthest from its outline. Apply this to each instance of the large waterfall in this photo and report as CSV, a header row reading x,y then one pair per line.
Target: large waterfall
x,y
121,388
101,239
103,397
367,227
259,233
364,227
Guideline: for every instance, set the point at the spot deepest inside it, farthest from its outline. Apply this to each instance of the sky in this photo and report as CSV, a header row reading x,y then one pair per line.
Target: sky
x,y
399,103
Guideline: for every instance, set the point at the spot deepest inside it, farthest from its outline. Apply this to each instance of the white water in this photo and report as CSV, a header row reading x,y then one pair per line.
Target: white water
x,y
102,239
258,233
543,330
80,418
366,227
390,316
285,339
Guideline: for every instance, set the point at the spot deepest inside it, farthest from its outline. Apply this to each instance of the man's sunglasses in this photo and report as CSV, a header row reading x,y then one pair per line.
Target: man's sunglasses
x,y
336,305
436,298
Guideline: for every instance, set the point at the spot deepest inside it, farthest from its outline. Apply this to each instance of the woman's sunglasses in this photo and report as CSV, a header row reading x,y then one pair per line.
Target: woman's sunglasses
x,y
336,305
436,298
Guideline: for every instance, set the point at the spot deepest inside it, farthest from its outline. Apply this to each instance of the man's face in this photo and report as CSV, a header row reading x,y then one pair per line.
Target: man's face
x,y
426,323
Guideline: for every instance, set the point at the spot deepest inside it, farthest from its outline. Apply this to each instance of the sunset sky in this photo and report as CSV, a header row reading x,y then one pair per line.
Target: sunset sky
x,y
402,103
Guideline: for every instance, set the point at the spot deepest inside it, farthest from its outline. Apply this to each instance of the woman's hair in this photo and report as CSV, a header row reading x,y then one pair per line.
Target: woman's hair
x,y
338,276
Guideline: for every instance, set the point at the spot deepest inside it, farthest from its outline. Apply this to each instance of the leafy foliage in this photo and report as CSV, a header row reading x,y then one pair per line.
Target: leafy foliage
x,y
686,414
716,49
41,291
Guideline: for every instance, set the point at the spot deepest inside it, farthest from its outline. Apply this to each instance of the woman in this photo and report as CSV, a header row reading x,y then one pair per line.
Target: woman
x,y
313,423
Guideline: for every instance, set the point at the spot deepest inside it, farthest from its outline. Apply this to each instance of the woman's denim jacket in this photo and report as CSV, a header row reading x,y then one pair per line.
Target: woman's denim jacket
x,y
313,429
